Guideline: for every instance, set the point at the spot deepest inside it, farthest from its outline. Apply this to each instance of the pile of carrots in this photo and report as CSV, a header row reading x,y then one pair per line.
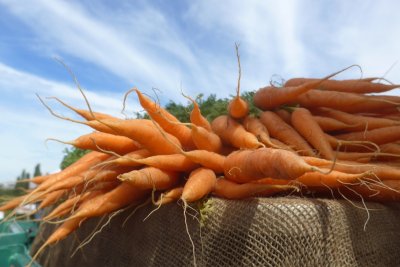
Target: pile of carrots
x,y
311,135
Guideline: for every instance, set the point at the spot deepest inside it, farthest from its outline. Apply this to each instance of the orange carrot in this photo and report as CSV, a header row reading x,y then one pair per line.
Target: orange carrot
x,y
150,178
359,86
86,114
231,190
328,124
128,159
238,108
170,196
200,183
68,204
120,197
304,123
348,102
172,162
164,119
12,203
248,165
196,117
51,198
333,179
272,97
284,115
103,141
285,133
254,126
206,140
232,133
378,136
207,159
143,132
328,83
359,122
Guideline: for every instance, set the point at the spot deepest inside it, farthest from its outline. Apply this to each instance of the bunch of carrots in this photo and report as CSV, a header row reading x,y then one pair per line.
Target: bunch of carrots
x,y
311,135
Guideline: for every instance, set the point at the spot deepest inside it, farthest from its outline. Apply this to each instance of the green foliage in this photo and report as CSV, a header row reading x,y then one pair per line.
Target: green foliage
x,y
72,155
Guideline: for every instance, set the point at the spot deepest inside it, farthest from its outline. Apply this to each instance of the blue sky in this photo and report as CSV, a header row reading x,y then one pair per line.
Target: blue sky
x,y
169,45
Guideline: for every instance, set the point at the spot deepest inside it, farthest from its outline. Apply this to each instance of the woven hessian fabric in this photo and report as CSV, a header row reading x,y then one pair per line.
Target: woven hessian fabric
x,y
256,232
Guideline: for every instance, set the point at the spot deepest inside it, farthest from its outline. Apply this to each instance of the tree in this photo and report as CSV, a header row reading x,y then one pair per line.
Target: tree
x,y
37,171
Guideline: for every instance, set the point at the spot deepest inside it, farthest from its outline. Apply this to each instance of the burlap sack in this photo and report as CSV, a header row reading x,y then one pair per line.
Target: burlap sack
x,y
255,232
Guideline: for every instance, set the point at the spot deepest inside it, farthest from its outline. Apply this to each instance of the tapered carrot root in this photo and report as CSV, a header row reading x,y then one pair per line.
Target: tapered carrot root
x,y
270,97
304,123
170,196
285,133
164,119
173,162
238,108
104,141
247,165
377,136
150,178
196,117
348,102
328,84
231,190
254,126
359,86
232,133
200,183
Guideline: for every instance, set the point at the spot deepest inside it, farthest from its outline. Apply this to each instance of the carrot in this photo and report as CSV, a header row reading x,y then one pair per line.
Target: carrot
x,y
200,183
328,124
392,148
380,171
232,133
164,119
359,86
285,133
348,102
248,165
172,162
51,198
333,179
205,140
169,196
207,159
230,190
150,178
69,204
238,108
271,97
83,164
104,141
362,122
140,130
304,123
378,136
196,117
12,203
128,159
120,197
143,132
86,114
328,83
386,191
254,126
284,115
